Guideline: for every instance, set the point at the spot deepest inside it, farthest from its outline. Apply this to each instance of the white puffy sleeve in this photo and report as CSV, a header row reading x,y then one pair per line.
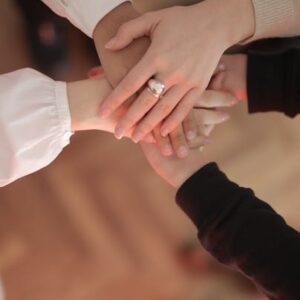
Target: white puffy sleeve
x,y
84,14
35,123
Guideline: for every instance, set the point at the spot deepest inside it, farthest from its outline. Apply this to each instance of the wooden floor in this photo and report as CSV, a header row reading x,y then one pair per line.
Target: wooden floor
x,y
98,224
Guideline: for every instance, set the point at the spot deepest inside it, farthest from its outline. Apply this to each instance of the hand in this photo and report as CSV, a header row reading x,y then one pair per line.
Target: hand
x,y
195,129
199,124
173,170
233,78
186,45
84,99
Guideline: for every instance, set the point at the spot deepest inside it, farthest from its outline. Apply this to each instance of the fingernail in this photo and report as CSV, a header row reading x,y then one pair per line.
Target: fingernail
x,y
201,149
110,44
191,135
137,137
183,152
119,133
168,151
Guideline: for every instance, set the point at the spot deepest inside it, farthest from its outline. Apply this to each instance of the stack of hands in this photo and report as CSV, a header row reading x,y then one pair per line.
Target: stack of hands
x,y
181,49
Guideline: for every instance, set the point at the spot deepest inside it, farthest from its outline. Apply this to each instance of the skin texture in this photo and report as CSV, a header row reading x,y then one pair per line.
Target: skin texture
x,y
231,77
173,170
86,96
234,78
211,28
117,65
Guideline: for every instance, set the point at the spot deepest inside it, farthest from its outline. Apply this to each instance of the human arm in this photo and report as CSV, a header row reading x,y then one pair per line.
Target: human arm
x,y
85,15
237,228
38,117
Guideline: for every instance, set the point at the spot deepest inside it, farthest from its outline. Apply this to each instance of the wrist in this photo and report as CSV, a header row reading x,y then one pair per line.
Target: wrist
x,y
84,98
185,174
241,16
238,17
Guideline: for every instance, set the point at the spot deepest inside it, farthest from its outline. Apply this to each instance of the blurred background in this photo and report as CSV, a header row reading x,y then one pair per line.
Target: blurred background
x,y
98,223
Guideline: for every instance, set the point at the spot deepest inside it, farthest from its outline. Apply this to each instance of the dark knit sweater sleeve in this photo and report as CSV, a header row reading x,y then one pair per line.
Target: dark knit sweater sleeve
x,y
243,232
273,82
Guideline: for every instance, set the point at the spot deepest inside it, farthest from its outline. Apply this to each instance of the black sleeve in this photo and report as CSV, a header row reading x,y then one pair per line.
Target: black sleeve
x,y
273,82
243,232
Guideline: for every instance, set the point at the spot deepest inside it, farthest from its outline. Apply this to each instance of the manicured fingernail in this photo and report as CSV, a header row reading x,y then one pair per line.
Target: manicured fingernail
x,y
110,44
137,137
191,135
119,132
167,151
183,152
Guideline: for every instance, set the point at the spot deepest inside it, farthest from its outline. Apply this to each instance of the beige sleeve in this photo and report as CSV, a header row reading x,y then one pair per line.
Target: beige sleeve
x,y
276,18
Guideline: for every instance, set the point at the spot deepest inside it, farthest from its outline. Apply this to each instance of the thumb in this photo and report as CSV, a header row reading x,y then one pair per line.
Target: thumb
x,y
132,30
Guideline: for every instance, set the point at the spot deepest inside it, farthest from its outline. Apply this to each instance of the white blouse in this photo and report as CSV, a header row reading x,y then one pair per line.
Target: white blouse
x,y
35,123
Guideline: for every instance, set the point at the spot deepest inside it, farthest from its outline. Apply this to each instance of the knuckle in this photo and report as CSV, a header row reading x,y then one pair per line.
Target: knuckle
x,y
185,108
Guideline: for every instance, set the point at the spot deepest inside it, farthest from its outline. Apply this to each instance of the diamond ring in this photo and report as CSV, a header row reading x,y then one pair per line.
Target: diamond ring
x,y
156,88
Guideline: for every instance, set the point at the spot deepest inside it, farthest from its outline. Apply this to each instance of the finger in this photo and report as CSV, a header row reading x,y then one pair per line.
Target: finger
x,y
164,143
179,142
163,108
136,112
211,117
208,129
215,99
190,127
150,139
217,82
180,112
130,31
128,87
